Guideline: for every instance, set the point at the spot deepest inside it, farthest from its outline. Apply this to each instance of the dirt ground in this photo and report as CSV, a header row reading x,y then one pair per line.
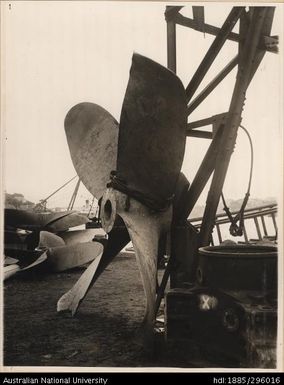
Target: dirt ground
x,y
105,332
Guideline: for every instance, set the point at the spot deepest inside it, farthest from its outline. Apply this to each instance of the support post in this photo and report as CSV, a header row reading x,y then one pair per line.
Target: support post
x,y
203,174
232,124
171,44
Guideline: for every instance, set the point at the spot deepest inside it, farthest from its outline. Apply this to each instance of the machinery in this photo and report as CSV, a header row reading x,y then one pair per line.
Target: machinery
x,y
224,298
232,307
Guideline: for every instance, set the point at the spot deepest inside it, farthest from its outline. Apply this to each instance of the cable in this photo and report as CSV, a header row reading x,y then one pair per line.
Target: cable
x,y
235,229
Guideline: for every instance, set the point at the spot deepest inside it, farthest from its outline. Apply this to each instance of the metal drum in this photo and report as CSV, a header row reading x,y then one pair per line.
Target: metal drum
x,y
238,267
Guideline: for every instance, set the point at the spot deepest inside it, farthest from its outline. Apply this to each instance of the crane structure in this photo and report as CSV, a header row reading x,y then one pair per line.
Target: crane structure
x,y
243,329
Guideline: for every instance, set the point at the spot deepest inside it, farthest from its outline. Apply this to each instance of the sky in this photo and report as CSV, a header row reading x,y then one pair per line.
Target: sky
x,y
60,53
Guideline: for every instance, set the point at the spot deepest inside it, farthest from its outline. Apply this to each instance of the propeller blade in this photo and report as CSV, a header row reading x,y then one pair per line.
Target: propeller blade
x,y
67,257
92,135
28,264
24,257
62,224
79,236
72,299
48,240
10,270
10,261
145,228
118,239
152,133
29,220
42,258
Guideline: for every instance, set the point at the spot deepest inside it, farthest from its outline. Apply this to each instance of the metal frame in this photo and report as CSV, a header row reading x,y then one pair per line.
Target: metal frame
x,y
253,41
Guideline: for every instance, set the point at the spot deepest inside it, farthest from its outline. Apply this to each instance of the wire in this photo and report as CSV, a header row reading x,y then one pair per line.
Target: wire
x,y
235,229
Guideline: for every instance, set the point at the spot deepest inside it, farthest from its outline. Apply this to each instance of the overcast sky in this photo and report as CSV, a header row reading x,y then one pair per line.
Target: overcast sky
x,y
57,54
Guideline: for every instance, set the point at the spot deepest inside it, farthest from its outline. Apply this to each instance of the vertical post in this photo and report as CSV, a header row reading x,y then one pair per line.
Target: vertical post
x,y
171,44
257,228
263,225
274,222
232,124
74,195
245,234
204,172
219,233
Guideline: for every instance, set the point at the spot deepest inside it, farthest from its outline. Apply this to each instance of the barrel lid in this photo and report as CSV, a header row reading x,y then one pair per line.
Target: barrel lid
x,y
240,251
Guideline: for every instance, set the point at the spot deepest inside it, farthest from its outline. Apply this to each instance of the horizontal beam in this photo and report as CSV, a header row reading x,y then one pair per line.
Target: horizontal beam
x,y
171,11
206,28
206,121
221,218
269,45
199,134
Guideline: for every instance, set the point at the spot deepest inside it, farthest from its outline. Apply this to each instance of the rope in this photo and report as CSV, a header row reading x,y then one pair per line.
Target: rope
x,y
153,204
235,228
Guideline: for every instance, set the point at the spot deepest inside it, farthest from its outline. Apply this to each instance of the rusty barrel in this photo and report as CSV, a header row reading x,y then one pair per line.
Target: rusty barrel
x,y
238,267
